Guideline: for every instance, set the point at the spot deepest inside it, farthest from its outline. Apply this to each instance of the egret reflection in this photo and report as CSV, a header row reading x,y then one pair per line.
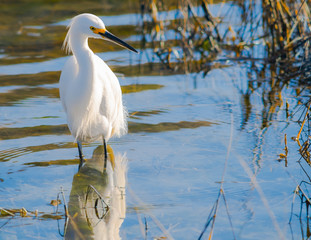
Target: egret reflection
x,y
96,208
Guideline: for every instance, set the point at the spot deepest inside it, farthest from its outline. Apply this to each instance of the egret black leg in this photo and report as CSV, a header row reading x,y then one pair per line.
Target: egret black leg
x,y
106,154
80,154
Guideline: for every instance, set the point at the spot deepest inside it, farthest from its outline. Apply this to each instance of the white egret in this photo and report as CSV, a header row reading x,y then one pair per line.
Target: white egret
x,y
90,92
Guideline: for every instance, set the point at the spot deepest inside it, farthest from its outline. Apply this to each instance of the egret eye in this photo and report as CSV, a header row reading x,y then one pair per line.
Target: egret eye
x,y
92,28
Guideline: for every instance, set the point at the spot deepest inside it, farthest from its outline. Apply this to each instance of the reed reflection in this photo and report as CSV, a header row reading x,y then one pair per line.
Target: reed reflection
x,y
96,208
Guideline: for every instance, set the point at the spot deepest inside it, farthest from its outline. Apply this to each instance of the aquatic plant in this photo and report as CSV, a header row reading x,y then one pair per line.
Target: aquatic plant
x,y
271,38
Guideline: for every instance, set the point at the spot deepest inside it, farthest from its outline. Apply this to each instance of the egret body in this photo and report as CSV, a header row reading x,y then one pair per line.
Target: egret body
x,y
90,92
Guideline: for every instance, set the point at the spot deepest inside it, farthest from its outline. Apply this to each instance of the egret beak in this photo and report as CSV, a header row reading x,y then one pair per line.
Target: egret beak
x,y
113,38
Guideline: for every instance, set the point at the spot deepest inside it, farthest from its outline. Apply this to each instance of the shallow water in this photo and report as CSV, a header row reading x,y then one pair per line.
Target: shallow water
x,y
183,129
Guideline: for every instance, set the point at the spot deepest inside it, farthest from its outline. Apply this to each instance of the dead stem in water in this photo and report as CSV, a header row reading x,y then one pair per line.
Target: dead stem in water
x,y
213,213
24,213
284,156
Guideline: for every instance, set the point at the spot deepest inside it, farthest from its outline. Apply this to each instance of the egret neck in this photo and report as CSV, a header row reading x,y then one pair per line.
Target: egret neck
x,y
80,49
84,57
84,87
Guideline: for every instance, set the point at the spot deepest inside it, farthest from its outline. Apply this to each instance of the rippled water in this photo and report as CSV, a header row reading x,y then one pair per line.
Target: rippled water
x,y
182,128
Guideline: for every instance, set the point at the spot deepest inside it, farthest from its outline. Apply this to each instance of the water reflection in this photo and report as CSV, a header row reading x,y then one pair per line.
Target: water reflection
x,y
300,218
96,207
300,210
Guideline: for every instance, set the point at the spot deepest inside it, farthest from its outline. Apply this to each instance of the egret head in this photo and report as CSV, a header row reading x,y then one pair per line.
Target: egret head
x,y
90,26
